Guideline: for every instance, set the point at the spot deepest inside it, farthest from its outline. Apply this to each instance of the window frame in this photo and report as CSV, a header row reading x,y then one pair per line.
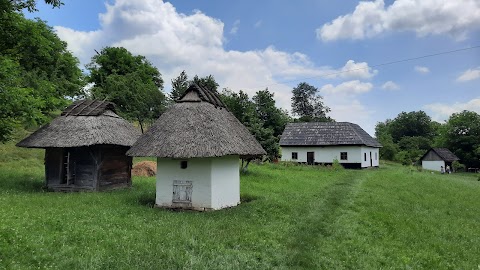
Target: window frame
x,y
343,155
294,155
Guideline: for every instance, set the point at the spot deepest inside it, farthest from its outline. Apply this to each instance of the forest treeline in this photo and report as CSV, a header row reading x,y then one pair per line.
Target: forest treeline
x,y
39,77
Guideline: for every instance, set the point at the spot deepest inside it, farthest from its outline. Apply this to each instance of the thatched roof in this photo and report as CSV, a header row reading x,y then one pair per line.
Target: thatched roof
x,y
84,123
198,125
323,134
443,153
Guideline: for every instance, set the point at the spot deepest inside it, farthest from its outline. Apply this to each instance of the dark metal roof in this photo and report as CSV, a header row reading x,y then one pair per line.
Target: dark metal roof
x,y
88,108
443,153
326,133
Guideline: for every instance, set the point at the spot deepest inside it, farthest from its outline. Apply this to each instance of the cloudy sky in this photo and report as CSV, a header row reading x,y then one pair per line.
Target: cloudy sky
x,y
370,59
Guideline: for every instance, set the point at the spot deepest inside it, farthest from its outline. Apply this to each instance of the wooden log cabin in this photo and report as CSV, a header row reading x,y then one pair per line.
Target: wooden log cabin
x,y
85,148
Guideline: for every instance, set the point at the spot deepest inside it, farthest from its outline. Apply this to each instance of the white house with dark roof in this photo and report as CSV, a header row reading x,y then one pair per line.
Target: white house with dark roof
x,y
436,158
324,142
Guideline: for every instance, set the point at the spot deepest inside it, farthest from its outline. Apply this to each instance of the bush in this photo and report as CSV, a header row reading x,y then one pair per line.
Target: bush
x,y
457,166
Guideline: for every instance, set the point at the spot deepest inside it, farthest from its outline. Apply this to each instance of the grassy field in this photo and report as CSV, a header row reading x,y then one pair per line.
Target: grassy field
x,y
291,217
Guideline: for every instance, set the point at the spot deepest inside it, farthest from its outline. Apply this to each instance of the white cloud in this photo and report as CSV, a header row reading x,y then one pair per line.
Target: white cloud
x,y
441,111
174,42
235,27
424,17
422,70
469,75
347,88
390,86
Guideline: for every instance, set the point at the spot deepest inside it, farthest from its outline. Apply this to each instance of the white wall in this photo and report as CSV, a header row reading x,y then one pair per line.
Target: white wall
x,y
198,171
215,181
433,165
327,154
225,182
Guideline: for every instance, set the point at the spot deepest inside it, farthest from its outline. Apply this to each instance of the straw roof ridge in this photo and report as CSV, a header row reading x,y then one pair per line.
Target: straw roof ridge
x,y
82,124
88,107
326,133
198,125
204,94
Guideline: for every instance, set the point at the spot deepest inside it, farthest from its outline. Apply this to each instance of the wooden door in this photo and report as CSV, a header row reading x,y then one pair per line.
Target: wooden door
x,y
371,160
310,158
182,193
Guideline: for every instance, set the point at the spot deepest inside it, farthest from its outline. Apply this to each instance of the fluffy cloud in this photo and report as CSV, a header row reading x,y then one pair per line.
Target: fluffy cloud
x,y
347,88
424,17
441,111
469,75
173,42
422,70
390,86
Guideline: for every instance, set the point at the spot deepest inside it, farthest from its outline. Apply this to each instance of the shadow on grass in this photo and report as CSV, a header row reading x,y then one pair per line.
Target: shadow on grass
x,y
21,183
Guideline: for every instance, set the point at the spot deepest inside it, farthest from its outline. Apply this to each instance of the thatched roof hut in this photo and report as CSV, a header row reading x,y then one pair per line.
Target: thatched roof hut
x,y
198,125
198,143
85,147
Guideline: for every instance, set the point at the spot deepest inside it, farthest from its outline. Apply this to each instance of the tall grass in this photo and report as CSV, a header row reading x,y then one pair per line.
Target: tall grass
x,y
299,217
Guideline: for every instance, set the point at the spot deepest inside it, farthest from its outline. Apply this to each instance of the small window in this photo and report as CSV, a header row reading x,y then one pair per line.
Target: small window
x,y
294,155
343,156
183,164
365,156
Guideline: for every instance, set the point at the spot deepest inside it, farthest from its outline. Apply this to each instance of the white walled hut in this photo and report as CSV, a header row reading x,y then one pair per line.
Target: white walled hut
x,y
324,142
198,143
85,148
436,158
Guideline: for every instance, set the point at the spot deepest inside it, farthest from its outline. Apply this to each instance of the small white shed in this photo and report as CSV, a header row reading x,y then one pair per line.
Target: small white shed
x,y
324,142
198,143
436,158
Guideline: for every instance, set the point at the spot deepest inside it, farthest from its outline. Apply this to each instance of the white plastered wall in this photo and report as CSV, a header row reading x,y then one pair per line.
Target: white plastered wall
x,y
433,165
215,181
327,154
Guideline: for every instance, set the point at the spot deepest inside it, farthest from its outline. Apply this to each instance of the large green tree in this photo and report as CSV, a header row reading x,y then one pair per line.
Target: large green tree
x,y
266,110
130,81
308,105
462,137
38,66
411,124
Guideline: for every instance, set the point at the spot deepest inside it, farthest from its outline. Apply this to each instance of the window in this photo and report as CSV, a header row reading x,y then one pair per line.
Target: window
x,y
183,164
365,156
294,155
343,156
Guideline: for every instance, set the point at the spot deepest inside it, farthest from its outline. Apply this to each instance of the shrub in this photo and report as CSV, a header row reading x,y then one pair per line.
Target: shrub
x,y
457,166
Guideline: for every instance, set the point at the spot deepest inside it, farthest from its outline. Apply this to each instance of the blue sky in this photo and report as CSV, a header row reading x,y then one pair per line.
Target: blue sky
x,y
337,46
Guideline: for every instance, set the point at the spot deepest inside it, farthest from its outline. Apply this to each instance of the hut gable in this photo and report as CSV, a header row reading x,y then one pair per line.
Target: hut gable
x,y
326,134
198,125
439,154
84,123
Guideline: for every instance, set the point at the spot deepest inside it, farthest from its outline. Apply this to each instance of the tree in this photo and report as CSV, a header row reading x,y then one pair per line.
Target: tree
x,y
412,124
271,116
307,104
38,66
179,86
30,5
131,82
462,137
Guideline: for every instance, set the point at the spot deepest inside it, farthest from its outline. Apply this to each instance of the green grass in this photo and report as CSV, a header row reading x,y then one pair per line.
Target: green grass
x,y
291,217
